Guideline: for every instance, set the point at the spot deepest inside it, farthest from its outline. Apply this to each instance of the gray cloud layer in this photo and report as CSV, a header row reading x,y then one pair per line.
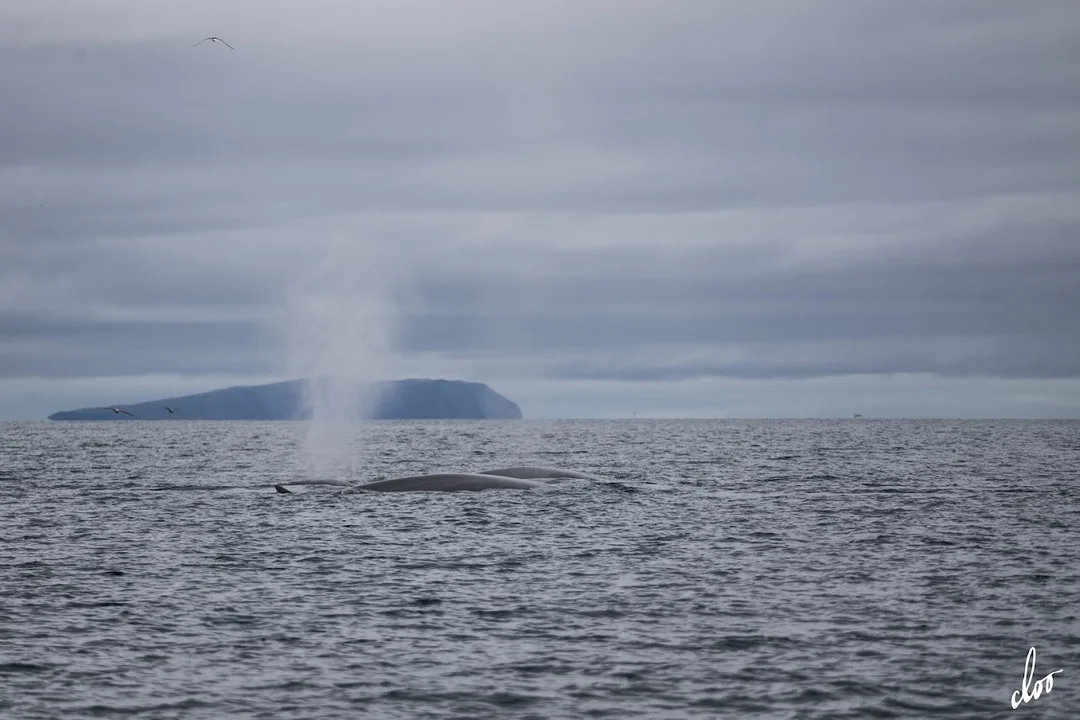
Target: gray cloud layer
x,y
556,191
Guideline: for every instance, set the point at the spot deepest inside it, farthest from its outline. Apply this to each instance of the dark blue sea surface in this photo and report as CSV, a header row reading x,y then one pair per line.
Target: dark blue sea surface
x,y
727,569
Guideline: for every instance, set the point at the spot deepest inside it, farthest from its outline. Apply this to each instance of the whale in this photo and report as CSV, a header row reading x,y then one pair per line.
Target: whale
x,y
435,482
531,472
448,482
510,478
336,483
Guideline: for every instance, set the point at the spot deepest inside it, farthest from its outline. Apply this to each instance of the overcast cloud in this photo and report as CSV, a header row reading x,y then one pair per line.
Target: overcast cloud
x,y
598,207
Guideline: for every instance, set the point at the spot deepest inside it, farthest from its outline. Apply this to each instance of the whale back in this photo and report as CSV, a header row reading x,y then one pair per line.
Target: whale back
x,y
531,472
449,482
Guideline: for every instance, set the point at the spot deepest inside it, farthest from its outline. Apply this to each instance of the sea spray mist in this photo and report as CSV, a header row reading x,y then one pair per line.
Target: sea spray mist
x,y
339,331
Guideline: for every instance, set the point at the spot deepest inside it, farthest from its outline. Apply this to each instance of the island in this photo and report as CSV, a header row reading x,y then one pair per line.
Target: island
x,y
410,399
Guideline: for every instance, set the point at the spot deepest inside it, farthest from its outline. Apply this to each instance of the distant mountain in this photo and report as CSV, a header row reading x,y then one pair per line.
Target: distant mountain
x,y
398,400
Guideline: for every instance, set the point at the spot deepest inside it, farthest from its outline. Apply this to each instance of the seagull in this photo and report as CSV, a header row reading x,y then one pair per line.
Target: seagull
x,y
171,411
214,39
116,411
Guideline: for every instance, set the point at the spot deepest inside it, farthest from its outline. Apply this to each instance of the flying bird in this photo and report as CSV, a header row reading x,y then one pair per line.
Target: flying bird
x,y
116,411
214,39
171,411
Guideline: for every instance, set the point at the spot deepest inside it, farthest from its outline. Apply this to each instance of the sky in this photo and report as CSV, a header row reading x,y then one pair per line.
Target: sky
x,y
600,208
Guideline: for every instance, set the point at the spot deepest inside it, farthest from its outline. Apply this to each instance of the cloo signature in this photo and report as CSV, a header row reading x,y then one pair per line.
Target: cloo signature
x,y
1027,691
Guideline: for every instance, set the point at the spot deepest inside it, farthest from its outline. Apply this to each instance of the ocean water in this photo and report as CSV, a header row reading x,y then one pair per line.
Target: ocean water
x,y
727,569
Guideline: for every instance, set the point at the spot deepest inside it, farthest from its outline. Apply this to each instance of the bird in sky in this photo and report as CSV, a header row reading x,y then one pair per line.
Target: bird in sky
x,y
171,411
116,411
214,39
